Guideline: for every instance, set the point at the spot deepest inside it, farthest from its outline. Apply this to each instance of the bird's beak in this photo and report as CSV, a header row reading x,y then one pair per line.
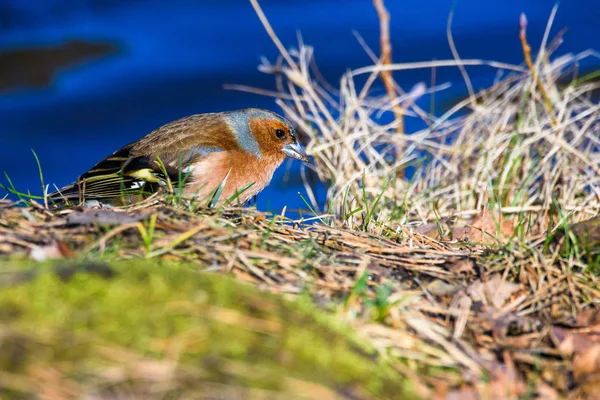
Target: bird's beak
x,y
294,150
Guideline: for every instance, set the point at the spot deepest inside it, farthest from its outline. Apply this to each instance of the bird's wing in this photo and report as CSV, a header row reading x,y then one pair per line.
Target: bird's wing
x,y
140,168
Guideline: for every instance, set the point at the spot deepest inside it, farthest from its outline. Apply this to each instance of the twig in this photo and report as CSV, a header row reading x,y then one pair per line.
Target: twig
x,y
432,64
461,67
536,77
386,76
263,19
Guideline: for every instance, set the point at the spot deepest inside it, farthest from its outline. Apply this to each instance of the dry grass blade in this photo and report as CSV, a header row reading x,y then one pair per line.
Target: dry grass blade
x,y
386,59
510,150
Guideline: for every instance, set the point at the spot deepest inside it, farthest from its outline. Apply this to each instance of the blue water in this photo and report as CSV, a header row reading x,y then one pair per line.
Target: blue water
x,y
175,56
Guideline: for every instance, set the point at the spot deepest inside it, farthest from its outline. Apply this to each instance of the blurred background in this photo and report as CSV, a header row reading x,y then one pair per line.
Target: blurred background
x,y
81,78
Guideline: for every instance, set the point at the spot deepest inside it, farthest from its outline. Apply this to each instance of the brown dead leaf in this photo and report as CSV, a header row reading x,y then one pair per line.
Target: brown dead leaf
x,y
584,345
489,228
65,250
573,341
430,229
512,329
460,233
466,265
494,292
259,218
587,318
586,363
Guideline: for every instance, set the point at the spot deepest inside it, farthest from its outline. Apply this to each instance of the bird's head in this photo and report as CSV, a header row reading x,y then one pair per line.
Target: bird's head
x,y
265,134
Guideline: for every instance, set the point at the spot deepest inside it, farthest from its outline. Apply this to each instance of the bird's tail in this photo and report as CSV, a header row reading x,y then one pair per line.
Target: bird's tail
x,y
69,195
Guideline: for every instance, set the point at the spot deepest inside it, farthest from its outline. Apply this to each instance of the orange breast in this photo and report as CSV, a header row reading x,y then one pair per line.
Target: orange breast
x,y
239,167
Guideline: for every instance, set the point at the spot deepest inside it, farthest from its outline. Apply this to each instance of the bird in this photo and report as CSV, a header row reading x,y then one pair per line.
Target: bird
x,y
232,153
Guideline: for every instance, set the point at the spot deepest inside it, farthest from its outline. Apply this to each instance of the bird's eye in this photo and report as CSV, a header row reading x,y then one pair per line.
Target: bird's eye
x,y
280,133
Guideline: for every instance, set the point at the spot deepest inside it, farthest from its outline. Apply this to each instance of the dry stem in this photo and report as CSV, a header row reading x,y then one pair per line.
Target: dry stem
x,y
527,55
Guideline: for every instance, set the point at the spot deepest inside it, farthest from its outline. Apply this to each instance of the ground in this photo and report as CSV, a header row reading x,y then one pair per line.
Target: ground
x,y
168,301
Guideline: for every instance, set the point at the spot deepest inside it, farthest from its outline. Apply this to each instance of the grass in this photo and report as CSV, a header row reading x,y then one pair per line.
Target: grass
x,y
469,277
509,148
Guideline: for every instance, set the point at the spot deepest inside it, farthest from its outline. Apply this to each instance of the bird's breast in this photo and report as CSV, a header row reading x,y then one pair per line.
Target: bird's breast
x,y
235,170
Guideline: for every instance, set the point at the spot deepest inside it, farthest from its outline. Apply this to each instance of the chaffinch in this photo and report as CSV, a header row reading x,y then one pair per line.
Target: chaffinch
x,y
232,151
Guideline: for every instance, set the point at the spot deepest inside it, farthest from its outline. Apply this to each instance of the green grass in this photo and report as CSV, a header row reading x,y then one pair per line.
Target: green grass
x,y
165,312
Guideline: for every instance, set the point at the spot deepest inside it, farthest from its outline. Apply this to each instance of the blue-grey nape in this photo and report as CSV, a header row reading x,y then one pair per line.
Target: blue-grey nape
x,y
238,121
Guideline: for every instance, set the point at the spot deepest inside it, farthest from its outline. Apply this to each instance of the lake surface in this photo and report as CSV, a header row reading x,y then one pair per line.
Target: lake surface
x,y
81,78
